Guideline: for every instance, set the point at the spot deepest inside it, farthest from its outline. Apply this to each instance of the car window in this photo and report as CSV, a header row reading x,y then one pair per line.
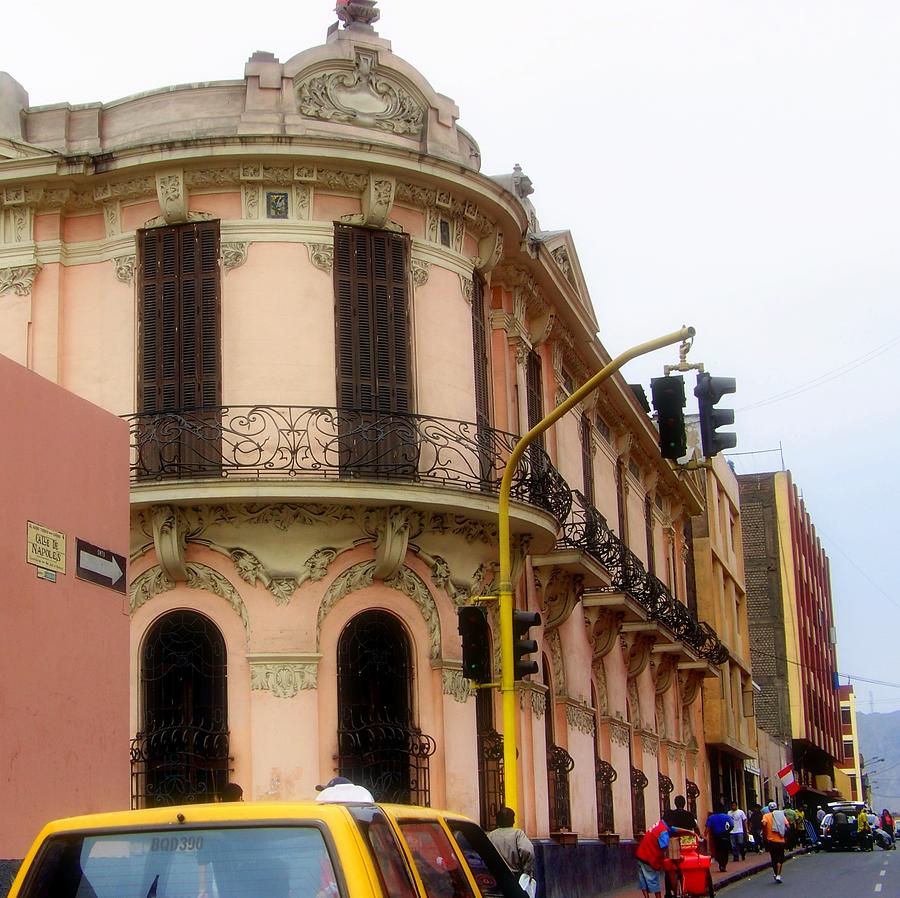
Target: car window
x,y
491,872
390,862
239,862
438,866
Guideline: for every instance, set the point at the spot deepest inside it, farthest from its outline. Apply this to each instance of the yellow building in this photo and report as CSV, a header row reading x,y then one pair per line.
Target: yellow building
x,y
848,761
729,724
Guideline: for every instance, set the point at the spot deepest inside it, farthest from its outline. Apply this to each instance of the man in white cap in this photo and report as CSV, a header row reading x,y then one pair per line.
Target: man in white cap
x,y
339,790
774,826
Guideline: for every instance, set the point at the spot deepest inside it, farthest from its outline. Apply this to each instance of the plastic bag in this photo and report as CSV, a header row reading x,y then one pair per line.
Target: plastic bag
x,y
527,884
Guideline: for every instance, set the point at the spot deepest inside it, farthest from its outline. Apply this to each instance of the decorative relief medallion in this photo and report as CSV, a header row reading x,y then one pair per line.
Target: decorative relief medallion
x,y
283,679
321,255
18,280
234,254
456,685
580,717
361,97
124,266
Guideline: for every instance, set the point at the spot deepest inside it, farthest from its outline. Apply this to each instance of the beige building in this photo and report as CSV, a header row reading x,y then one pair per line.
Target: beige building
x,y
326,328
728,716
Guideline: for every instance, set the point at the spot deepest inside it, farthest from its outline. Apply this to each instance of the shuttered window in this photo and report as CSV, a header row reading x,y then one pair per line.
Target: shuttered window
x,y
651,545
534,389
587,459
180,367
482,378
371,319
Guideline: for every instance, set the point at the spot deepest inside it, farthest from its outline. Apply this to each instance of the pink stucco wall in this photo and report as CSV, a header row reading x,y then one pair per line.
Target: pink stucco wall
x,y
64,645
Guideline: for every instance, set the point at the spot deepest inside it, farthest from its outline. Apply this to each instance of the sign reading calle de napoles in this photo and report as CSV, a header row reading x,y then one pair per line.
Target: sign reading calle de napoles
x,y
46,548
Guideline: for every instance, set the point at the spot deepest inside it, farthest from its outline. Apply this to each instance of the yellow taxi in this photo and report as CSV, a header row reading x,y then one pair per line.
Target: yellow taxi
x,y
266,850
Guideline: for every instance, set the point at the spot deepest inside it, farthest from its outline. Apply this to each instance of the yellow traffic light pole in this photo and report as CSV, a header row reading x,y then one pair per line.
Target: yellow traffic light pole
x,y
507,679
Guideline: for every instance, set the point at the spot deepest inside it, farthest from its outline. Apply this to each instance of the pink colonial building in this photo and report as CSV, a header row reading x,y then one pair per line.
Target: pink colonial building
x,y
326,331
64,684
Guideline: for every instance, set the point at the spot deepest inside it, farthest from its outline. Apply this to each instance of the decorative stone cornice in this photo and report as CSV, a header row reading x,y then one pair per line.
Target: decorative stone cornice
x,y
619,731
234,254
454,684
650,742
321,255
420,270
18,279
283,675
124,268
580,717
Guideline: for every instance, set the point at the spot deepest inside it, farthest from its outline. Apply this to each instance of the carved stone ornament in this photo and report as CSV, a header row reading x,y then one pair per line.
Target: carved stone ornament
x,y
420,270
604,629
467,288
234,254
172,195
361,97
561,257
405,580
112,218
619,732
154,581
18,280
124,266
650,743
634,704
560,596
580,717
321,255
358,13
284,679
538,703
554,644
250,569
600,685
661,725
455,684
391,541
638,657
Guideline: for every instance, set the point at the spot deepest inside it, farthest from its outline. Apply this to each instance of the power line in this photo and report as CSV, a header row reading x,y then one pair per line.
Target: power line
x,y
825,378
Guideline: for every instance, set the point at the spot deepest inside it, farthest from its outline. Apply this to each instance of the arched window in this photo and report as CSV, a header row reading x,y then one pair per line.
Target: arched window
x,y
180,754
379,745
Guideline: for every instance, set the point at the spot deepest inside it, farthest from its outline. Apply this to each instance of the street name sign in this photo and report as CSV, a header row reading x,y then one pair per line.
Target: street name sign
x,y
46,548
100,566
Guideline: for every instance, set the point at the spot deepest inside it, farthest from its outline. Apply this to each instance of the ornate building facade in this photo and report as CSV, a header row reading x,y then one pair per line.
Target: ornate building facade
x,y
326,328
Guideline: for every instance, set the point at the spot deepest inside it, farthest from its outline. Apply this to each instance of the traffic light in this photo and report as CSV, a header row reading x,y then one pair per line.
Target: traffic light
x,y
709,391
668,400
523,621
476,643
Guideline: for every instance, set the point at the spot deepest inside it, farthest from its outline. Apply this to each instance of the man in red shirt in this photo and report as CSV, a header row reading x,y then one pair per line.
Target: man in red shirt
x,y
651,853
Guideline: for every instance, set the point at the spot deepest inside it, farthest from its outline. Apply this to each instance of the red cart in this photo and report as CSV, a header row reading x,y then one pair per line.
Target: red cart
x,y
687,871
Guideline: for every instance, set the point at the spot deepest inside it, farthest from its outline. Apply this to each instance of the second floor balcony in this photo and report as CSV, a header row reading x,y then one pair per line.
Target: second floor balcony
x,y
298,451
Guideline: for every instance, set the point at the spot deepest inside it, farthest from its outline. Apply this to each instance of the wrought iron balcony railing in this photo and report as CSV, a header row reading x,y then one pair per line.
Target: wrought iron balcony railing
x,y
586,529
293,442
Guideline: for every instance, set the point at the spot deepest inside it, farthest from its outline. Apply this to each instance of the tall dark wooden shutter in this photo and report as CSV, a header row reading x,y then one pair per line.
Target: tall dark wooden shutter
x,y
587,459
180,359
651,543
620,502
482,378
373,357
534,403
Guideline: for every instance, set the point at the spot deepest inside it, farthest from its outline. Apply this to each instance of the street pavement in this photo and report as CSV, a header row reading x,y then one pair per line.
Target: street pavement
x,y
839,874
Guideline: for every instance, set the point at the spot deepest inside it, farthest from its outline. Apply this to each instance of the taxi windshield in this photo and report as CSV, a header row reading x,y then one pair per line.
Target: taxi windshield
x,y
218,862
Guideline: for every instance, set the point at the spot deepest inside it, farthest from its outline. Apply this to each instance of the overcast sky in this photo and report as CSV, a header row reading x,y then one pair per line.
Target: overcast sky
x,y
732,165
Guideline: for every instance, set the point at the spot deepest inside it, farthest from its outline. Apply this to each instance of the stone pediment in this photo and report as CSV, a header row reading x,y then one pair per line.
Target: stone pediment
x,y
562,249
14,149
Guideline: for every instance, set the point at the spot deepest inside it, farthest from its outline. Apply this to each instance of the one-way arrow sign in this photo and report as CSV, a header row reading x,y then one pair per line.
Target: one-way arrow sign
x,y
99,566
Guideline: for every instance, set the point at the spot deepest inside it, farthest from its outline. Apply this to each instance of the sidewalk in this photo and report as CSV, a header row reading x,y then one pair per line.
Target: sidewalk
x,y
735,871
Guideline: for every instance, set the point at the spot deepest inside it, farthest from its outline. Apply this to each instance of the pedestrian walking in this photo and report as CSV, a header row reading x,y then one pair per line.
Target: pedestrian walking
x,y
775,825
718,837
738,832
514,847
755,822
680,816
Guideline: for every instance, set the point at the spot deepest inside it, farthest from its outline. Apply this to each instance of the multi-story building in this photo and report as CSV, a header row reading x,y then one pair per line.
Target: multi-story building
x,y
792,635
729,722
848,760
326,328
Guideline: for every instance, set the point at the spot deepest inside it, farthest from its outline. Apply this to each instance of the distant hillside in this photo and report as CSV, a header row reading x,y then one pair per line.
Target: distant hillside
x,y
879,737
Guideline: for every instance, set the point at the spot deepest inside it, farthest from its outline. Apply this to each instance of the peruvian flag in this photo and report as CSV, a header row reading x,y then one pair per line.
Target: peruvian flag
x,y
786,776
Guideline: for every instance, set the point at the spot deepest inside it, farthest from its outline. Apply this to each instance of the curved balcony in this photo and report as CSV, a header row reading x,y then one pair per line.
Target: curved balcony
x,y
586,529
297,443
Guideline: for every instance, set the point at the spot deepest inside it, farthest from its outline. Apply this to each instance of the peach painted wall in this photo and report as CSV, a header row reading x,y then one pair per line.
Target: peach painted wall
x,y
137,214
445,375
97,336
221,205
331,208
278,329
64,645
82,228
15,316
411,220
